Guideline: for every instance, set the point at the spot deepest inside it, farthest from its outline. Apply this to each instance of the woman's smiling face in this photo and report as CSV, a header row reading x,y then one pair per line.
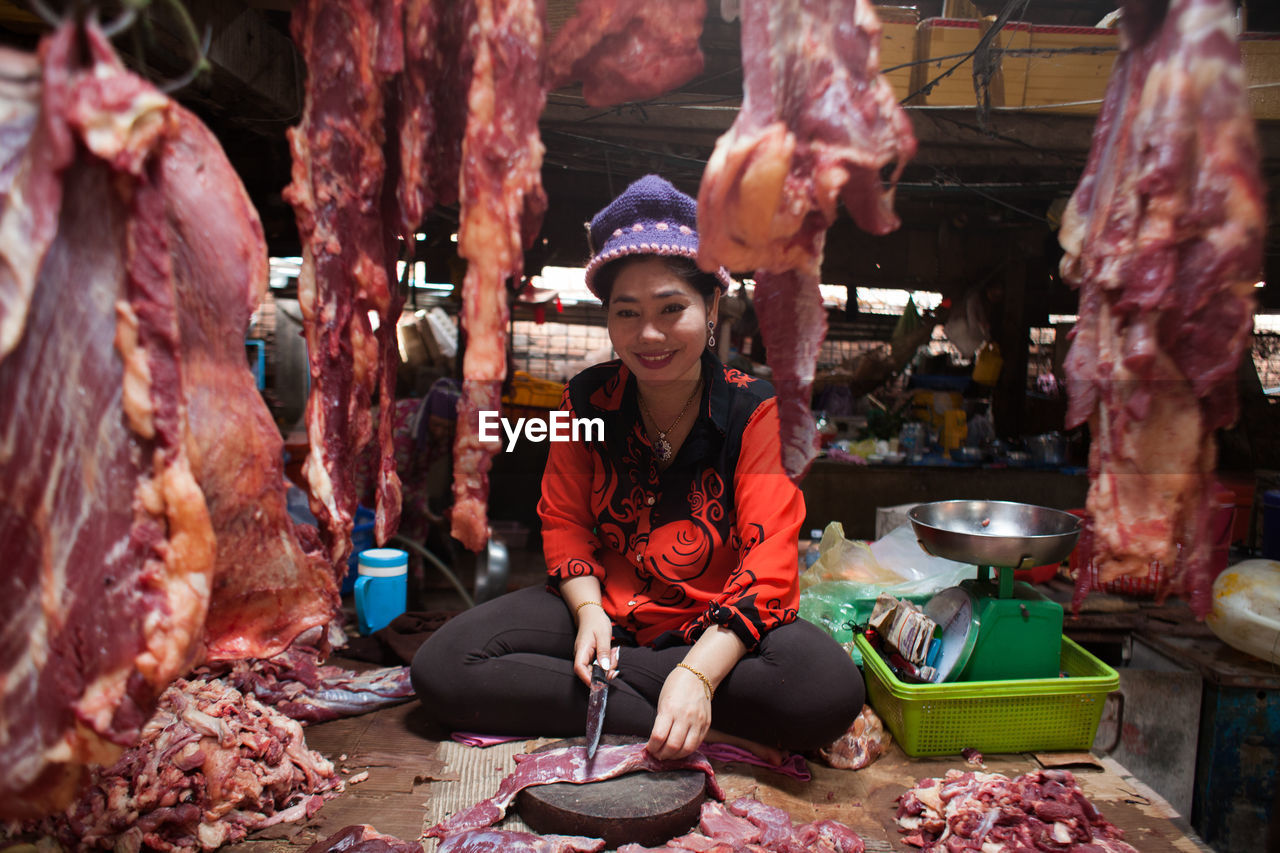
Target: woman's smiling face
x,y
657,321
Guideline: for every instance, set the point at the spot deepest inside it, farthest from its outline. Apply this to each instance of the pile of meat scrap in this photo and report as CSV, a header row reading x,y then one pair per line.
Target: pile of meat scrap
x,y
1164,238
211,766
1042,810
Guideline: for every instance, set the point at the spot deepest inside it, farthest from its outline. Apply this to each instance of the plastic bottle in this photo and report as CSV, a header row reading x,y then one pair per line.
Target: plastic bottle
x,y
812,553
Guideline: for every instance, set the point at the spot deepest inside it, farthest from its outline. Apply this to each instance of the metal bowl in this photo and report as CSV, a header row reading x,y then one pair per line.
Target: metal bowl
x,y
995,533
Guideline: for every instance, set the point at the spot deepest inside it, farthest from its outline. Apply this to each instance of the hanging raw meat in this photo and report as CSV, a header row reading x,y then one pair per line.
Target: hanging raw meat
x,y
107,543
338,197
433,102
462,91
387,305
502,203
1164,238
628,50
267,588
818,124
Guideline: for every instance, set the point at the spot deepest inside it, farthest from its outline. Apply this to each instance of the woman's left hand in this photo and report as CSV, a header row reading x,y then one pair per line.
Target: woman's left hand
x,y
684,715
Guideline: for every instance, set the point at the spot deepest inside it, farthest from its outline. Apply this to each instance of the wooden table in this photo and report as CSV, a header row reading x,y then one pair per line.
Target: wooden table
x,y
850,494
414,781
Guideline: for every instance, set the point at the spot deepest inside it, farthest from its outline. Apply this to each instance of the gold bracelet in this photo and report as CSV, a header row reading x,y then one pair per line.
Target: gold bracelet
x,y
706,683
584,604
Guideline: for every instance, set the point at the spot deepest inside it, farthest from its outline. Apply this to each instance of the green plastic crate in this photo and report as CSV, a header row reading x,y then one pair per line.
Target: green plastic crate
x,y
1024,715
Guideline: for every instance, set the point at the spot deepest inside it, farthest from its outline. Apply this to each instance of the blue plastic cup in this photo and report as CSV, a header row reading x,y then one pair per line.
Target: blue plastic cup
x,y
382,587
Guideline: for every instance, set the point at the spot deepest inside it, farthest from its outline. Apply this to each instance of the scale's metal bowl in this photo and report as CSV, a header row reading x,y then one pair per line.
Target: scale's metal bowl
x,y
995,533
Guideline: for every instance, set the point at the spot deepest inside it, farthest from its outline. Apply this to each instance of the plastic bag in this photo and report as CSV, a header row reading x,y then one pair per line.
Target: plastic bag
x,y
841,587
846,560
920,572
967,327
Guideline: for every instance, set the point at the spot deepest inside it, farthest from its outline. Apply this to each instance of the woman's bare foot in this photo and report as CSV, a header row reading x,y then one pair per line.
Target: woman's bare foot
x,y
759,750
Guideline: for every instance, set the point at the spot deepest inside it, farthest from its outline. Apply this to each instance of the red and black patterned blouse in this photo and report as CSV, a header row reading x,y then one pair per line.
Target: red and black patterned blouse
x,y
710,540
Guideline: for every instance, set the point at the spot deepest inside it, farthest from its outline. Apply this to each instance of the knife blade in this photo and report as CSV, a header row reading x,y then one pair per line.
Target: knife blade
x,y
595,707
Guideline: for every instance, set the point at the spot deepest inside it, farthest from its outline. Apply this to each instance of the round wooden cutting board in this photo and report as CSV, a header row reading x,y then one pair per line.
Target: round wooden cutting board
x,y
641,808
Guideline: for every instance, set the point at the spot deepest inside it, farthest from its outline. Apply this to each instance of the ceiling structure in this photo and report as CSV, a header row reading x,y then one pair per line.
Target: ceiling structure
x,y
979,189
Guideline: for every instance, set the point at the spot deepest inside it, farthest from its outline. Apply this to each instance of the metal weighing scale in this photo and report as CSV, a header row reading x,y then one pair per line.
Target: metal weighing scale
x,y
995,628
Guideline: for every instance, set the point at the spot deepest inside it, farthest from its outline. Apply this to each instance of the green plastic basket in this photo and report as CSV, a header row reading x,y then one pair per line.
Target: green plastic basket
x,y
1025,715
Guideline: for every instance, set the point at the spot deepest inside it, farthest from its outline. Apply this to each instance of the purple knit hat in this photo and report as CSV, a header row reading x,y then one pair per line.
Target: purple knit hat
x,y
651,218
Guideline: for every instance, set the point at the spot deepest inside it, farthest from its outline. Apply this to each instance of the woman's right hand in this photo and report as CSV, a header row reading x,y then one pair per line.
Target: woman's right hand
x,y
595,636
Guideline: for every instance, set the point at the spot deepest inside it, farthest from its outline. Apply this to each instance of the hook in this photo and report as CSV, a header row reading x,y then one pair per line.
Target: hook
x,y
123,22
201,64
199,45
128,19
46,14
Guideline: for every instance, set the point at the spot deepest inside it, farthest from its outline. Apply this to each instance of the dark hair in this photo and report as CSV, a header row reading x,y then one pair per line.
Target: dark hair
x,y
705,283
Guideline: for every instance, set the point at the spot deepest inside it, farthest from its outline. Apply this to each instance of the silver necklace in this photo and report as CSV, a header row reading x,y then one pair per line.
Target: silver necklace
x,y
661,446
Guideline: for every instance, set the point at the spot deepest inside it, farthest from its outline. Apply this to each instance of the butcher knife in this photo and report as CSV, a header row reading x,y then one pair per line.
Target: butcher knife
x,y
595,707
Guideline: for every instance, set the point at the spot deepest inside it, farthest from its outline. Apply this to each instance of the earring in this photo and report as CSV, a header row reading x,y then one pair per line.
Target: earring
x,y
711,335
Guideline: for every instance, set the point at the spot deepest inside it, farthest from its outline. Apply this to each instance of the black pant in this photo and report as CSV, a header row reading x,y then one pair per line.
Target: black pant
x,y
506,667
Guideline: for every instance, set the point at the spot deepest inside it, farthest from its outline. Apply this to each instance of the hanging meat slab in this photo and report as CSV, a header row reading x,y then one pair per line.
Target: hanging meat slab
x,y
818,124
628,50
106,536
267,587
502,203
433,99
1163,237
427,116
337,195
